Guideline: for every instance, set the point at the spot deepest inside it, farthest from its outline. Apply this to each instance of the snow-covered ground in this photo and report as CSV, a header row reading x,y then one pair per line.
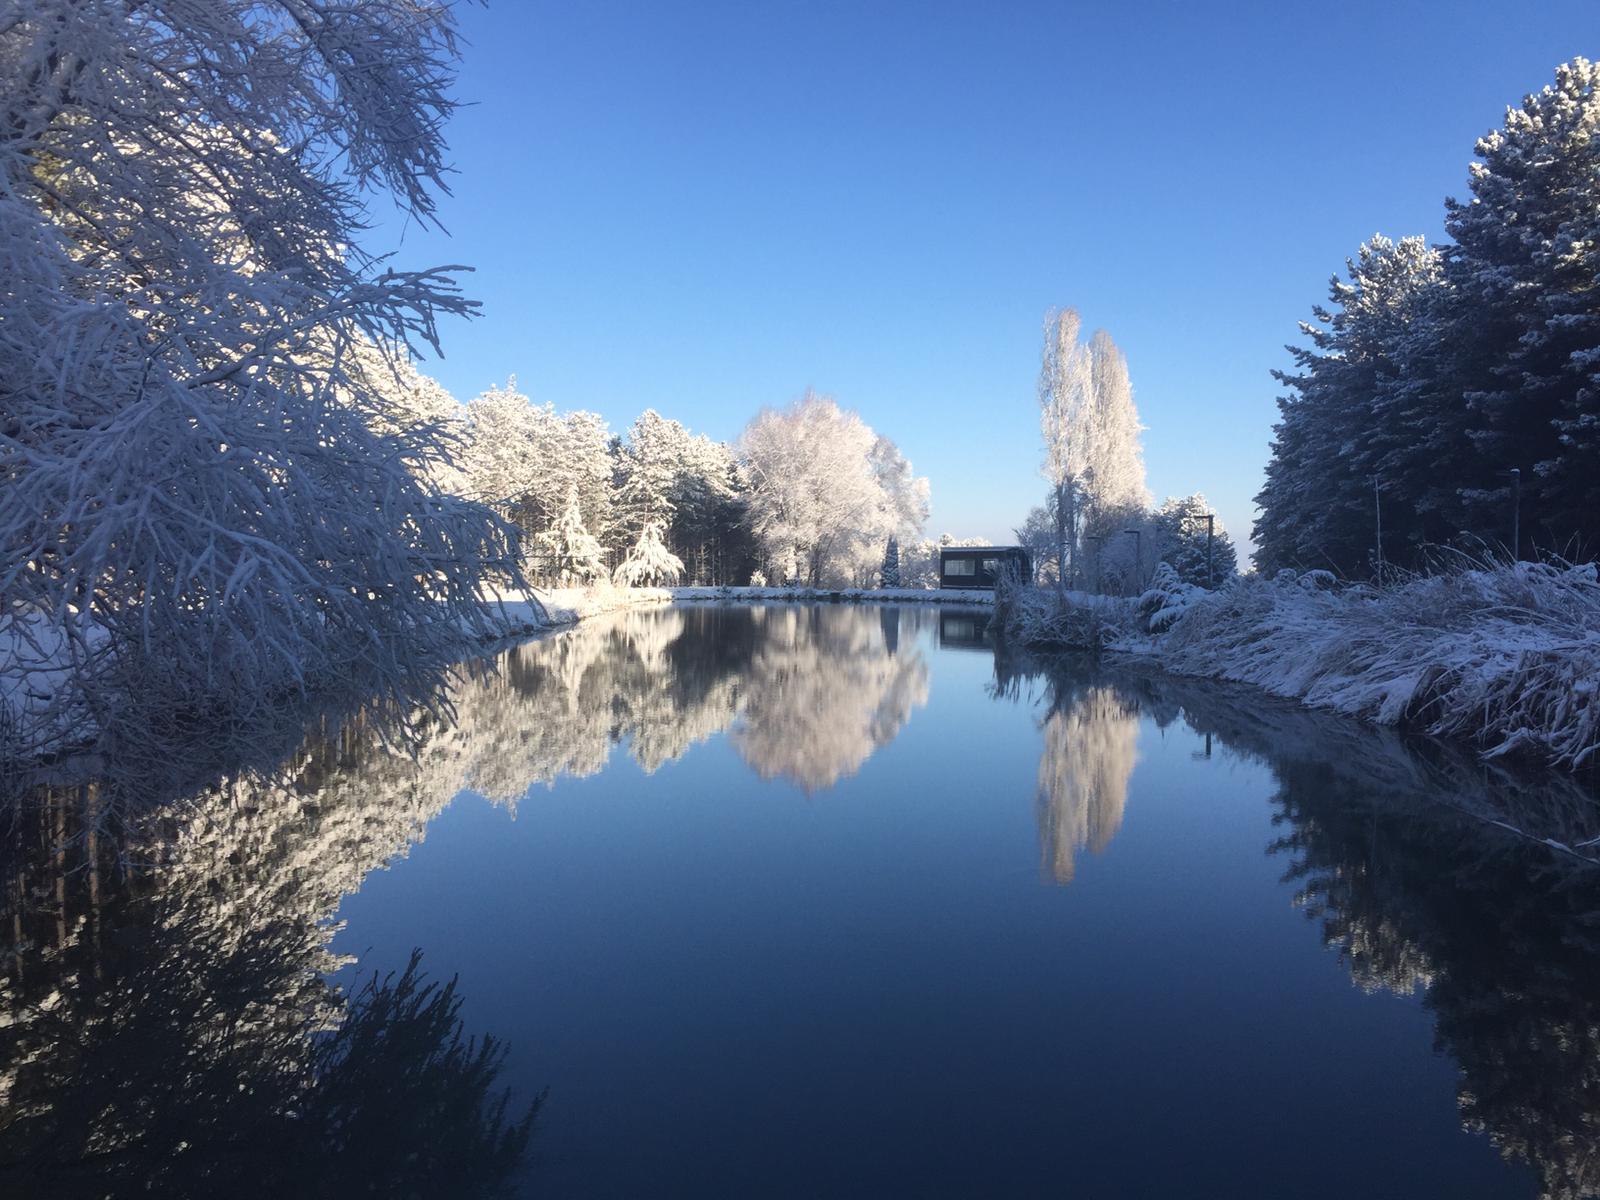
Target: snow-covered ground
x,y
1506,656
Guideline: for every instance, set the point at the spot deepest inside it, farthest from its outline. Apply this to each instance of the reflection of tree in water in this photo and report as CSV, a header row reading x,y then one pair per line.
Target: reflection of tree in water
x,y
824,691
1505,940
808,691
169,1032
166,1024
1090,747
1403,851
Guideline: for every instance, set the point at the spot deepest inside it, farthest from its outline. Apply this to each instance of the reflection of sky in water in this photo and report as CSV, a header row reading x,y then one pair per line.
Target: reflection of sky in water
x,y
822,900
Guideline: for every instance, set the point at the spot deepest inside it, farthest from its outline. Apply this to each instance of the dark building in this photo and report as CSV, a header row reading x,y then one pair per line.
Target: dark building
x,y
981,566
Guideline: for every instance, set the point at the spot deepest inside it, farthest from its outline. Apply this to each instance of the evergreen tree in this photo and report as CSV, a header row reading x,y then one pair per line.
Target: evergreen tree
x,y
1434,374
1526,323
575,554
1362,410
649,562
1181,529
889,575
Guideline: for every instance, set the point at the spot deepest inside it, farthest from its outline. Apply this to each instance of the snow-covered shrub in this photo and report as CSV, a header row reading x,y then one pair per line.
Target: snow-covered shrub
x,y
758,579
1166,600
1045,618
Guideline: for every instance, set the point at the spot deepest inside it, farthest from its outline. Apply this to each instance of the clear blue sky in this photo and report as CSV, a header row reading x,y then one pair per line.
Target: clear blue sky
x,y
707,208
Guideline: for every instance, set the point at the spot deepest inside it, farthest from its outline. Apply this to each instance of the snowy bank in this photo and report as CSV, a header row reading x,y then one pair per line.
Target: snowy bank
x,y
517,613
1504,655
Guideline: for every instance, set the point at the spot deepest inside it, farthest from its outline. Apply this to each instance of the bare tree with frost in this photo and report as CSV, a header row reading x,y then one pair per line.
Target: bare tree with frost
x,y
1092,455
826,491
1065,400
200,500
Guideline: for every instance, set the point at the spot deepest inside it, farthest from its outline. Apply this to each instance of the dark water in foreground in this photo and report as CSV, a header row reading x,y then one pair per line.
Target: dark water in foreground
x,y
812,901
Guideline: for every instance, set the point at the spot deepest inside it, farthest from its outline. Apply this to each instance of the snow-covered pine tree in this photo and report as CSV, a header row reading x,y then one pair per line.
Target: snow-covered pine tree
x,y
1361,414
194,502
1180,531
648,466
889,573
649,563
1525,270
575,554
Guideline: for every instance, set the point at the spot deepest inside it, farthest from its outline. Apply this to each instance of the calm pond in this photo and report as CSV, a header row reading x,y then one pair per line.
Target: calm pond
x,y
813,901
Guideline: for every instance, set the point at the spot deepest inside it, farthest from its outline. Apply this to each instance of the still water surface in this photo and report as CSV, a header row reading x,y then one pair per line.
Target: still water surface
x,y
825,901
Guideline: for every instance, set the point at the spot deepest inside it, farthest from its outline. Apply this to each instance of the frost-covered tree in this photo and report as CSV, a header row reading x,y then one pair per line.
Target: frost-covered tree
x,y
649,462
195,498
574,555
1037,535
1181,529
1093,458
1436,373
889,573
1525,322
1363,423
689,483
526,459
1114,478
503,459
649,563
825,490
708,526
1066,397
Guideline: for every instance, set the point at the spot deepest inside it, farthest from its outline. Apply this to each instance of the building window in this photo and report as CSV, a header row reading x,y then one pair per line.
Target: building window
x,y
960,566
991,566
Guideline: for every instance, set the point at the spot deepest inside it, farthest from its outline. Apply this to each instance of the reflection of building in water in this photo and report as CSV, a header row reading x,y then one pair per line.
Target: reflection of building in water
x,y
822,694
1090,747
964,629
